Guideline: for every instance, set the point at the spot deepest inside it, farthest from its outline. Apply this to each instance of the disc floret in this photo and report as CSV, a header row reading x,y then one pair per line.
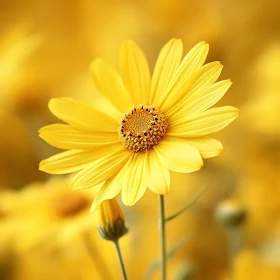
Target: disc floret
x,y
142,128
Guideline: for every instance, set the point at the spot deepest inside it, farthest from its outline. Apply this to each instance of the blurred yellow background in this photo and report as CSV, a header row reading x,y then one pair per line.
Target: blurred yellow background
x,y
45,51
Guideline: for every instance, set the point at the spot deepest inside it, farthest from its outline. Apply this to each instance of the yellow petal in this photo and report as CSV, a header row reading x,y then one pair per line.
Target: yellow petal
x,y
167,63
109,83
178,156
180,83
113,186
100,170
134,183
105,191
74,160
67,162
208,147
204,124
201,100
82,115
67,137
202,77
157,176
206,75
135,72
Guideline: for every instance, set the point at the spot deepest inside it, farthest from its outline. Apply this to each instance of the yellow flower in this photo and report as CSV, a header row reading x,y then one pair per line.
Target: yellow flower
x,y
110,220
165,123
46,230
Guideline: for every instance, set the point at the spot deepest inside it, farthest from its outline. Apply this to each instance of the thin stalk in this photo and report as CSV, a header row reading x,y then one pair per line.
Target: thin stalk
x,y
162,236
234,245
118,249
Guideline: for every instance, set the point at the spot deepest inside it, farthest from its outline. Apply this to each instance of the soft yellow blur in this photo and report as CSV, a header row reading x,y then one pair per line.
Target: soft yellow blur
x,y
47,231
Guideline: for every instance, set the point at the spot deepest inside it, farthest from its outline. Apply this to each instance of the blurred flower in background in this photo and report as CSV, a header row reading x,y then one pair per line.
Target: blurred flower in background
x,y
46,230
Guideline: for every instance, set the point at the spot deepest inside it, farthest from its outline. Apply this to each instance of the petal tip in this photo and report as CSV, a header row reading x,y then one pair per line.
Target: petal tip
x,y
128,203
55,101
128,43
219,151
128,200
227,83
42,166
236,110
52,102
74,186
199,163
177,40
93,207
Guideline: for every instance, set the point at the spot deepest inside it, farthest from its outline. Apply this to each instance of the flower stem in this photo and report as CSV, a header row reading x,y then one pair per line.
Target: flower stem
x,y
118,249
162,236
234,245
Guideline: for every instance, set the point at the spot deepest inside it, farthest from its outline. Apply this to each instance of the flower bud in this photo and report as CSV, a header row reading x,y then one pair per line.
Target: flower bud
x,y
230,213
110,220
185,270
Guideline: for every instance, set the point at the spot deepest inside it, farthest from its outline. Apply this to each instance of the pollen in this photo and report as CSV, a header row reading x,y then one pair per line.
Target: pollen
x,y
142,128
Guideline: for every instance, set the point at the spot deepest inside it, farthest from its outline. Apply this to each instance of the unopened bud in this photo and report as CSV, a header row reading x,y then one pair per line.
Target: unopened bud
x,y
110,220
230,213
186,270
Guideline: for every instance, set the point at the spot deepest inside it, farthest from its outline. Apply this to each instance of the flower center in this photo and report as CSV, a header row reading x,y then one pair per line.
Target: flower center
x,y
142,128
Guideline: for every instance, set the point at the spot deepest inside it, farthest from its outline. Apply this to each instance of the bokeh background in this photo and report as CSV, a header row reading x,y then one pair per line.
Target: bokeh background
x,y
46,231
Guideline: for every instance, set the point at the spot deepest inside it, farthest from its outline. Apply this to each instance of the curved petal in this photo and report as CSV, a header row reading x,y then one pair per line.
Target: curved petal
x,y
201,100
109,83
178,156
135,72
202,77
206,75
100,170
74,160
106,191
208,147
204,124
104,105
113,186
82,115
180,83
67,162
134,183
157,176
64,136
167,63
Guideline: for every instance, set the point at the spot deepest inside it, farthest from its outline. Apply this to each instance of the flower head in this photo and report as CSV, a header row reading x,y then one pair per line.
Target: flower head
x,y
156,123
111,220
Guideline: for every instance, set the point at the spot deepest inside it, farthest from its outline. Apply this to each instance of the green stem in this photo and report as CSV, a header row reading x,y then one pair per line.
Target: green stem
x,y
162,236
118,249
234,244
